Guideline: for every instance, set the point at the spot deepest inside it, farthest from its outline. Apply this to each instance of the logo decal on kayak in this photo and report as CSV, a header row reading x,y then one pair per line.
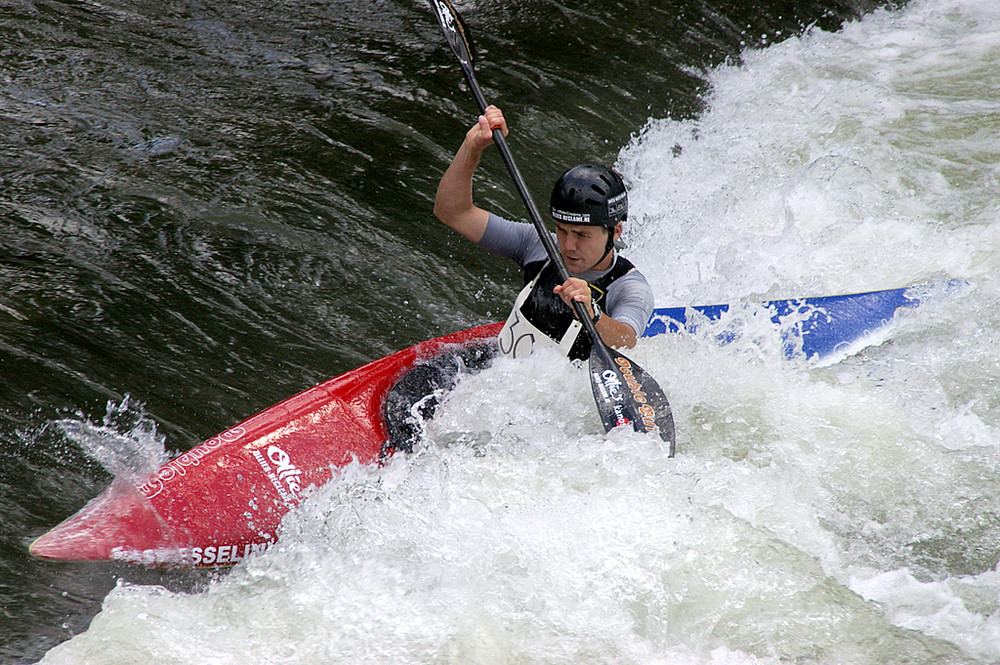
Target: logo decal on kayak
x,y
180,464
210,555
284,475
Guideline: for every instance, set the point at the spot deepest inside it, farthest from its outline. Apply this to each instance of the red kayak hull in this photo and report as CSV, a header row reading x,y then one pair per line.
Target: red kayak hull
x,y
258,470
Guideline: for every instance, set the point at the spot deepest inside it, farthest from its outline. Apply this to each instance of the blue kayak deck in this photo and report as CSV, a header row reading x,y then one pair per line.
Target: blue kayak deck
x,y
814,328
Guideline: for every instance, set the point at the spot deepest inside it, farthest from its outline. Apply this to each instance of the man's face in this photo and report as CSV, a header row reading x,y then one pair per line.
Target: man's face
x,y
583,246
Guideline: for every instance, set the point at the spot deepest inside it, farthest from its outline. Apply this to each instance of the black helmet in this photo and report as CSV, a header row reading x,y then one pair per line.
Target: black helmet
x,y
589,194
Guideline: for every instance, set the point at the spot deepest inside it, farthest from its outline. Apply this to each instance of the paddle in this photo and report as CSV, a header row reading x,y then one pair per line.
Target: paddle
x,y
624,392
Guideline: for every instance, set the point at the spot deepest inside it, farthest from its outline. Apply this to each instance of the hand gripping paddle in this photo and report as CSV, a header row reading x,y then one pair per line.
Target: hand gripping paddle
x,y
624,393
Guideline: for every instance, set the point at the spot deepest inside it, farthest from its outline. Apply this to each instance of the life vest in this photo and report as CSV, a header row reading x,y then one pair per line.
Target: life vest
x,y
540,316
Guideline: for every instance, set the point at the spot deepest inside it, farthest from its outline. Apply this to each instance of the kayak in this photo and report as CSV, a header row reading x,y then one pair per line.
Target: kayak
x,y
224,499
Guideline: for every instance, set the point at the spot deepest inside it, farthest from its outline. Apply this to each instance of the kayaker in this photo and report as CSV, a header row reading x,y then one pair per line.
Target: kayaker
x,y
589,203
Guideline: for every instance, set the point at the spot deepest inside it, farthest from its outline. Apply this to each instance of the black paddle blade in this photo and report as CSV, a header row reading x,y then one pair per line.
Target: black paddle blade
x,y
454,31
625,394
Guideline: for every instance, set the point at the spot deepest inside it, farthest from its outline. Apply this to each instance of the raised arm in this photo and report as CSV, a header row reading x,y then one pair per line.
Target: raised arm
x,y
454,204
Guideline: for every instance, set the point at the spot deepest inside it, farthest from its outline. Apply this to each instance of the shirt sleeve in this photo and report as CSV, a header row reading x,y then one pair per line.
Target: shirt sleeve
x,y
630,300
511,240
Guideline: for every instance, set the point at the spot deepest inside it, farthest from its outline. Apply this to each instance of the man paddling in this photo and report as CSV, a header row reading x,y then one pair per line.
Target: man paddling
x,y
588,204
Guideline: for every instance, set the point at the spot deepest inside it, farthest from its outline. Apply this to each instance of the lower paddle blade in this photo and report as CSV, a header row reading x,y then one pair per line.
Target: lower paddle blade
x,y
626,394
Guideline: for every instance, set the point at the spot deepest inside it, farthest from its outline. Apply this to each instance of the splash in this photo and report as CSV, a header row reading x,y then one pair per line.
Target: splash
x,y
126,442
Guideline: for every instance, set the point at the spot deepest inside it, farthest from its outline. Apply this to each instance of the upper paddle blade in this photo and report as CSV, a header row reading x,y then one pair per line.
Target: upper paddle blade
x,y
455,32
625,394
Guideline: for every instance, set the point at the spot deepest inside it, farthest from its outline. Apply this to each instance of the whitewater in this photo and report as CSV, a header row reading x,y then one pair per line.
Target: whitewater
x,y
817,514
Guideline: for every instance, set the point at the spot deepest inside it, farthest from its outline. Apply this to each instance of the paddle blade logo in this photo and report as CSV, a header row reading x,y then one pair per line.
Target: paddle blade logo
x,y
444,16
645,410
610,398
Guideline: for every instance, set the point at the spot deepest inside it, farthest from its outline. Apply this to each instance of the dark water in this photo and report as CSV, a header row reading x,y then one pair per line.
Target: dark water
x,y
208,207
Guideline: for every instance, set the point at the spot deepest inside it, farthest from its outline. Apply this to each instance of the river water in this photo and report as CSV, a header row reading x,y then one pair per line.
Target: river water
x,y
207,208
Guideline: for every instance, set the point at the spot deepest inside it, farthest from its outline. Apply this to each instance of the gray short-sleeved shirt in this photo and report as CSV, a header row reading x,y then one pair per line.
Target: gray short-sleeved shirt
x,y
629,298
